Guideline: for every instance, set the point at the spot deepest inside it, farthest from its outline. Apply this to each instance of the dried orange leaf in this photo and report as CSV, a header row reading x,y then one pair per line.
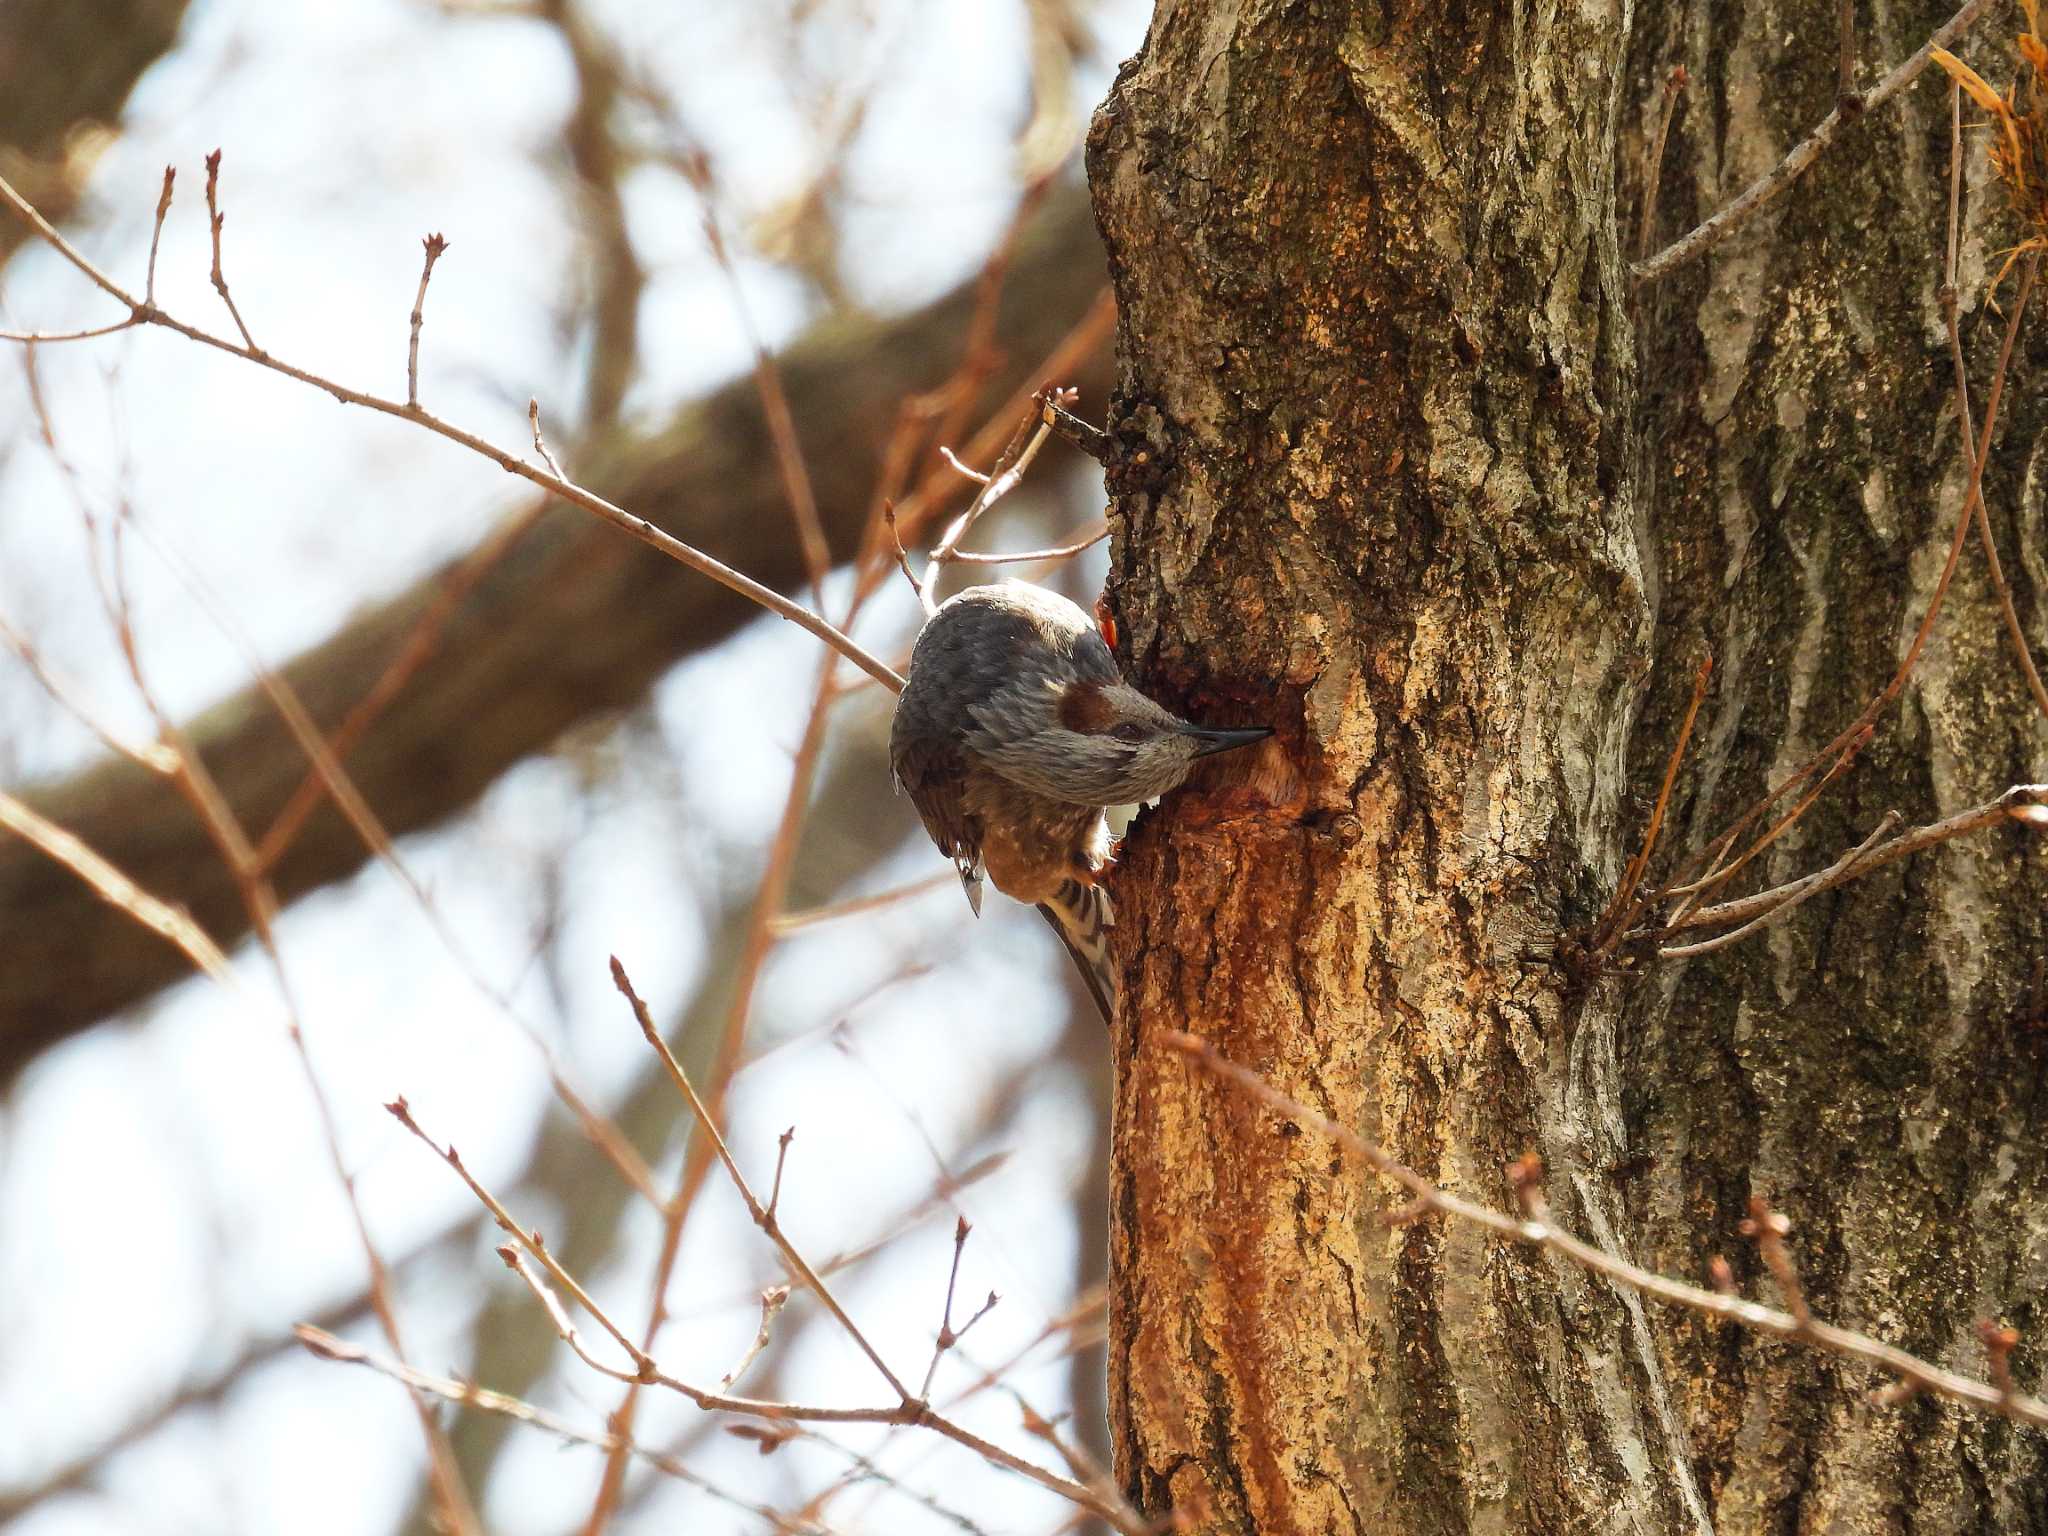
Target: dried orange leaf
x,y
1972,82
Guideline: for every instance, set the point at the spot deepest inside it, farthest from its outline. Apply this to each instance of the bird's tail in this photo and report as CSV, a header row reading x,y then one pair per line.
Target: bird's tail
x,y
1081,916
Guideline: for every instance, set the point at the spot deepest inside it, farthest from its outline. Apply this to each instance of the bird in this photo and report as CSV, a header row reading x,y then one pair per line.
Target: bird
x,y
1014,733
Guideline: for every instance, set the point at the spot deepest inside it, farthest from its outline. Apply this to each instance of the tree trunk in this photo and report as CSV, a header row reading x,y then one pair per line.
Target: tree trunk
x,y
1407,470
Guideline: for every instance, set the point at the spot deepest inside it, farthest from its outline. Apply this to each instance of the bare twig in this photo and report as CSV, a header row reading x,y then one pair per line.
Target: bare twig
x,y
467,1394
2026,803
412,653
1767,1229
153,755
1086,538
215,218
1653,165
434,245
193,780
156,235
772,1302
791,922
902,559
1547,1235
947,1335
557,1314
2022,652
1620,914
567,490
906,1411
1836,756
115,888
1999,1343
540,444
694,164
964,471
643,1366
45,338
762,1217
1008,471
1766,187
1071,429
1835,874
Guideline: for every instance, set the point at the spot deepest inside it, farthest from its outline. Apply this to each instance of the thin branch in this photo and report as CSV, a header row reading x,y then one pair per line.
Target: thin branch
x,y
902,559
2022,652
567,490
156,235
1766,187
1008,472
1542,1233
434,245
215,218
197,784
781,1157
45,338
948,1336
791,922
772,1302
1653,167
964,471
412,653
467,1394
2026,803
557,1314
153,755
1768,1229
115,888
1842,869
643,1366
1838,753
329,1347
906,1411
540,444
762,1218
1071,429
1086,539
1620,914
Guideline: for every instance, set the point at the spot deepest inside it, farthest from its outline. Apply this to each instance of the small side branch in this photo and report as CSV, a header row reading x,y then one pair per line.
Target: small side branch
x,y
1773,182
1536,1230
215,218
555,483
763,1218
434,245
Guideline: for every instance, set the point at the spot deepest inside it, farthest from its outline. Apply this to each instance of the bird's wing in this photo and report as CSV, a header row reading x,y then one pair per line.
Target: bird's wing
x,y
934,775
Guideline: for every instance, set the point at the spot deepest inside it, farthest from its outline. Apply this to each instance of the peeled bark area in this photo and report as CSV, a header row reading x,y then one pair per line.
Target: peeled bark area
x,y
1406,471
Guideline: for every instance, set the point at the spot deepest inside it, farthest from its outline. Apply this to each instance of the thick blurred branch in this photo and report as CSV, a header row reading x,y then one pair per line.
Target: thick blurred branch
x,y
66,68
574,622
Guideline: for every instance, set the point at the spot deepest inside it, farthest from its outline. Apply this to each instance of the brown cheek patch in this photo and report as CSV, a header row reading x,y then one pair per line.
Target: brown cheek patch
x,y
1084,709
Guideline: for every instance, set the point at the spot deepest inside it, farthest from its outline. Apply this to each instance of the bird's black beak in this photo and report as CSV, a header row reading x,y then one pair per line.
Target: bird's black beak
x,y
1224,741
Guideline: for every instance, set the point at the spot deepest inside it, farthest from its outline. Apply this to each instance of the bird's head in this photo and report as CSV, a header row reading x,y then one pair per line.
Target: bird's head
x,y
1091,742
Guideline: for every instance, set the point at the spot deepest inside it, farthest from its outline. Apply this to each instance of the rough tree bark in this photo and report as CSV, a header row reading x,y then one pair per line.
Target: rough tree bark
x,y
1408,471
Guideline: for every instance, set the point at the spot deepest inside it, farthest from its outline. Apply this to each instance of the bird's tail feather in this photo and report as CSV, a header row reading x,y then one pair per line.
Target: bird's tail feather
x,y
1082,917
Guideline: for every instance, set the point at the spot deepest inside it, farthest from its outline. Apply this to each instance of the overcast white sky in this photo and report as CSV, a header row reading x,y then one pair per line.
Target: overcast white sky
x,y
165,1196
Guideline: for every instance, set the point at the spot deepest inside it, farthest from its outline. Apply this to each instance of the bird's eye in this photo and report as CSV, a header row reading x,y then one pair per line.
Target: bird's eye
x,y
1129,731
